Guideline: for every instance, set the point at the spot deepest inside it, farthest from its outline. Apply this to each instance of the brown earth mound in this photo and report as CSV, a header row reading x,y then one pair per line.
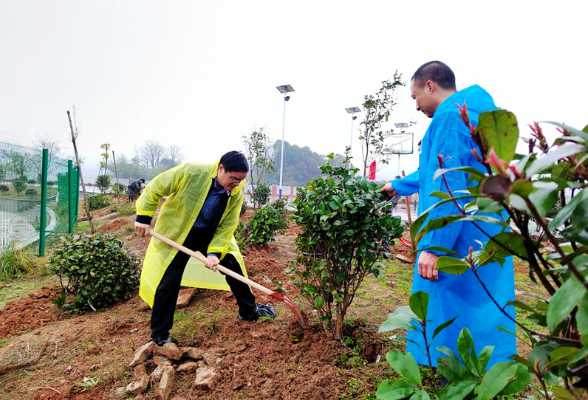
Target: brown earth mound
x,y
28,313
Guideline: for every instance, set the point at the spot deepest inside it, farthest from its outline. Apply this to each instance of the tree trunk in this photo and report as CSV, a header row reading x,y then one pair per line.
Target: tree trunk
x,y
116,175
86,204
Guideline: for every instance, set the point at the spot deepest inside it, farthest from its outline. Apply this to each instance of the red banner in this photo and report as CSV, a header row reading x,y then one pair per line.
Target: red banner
x,y
372,171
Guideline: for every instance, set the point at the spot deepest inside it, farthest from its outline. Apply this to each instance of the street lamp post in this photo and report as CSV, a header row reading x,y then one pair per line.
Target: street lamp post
x,y
352,110
283,89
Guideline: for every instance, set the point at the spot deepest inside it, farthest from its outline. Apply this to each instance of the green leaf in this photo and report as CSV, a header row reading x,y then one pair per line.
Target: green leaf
x,y
541,352
522,187
544,196
566,212
582,320
561,356
578,232
498,129
579,355
442,326
399,389
503,245
401,318
442,222
457,390
419,302
583,134
488,206
451,368
468,170
549,159
405,365
565,300
560,170
421,395
418,223
521,305
467,352
484,357
451,265
439,248
561,393
495,380
318,302
441,195
522,381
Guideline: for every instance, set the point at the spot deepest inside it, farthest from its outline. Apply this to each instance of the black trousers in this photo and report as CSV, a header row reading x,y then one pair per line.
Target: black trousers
x,y
166,295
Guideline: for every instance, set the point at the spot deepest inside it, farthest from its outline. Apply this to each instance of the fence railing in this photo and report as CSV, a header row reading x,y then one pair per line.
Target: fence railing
x,y
39,197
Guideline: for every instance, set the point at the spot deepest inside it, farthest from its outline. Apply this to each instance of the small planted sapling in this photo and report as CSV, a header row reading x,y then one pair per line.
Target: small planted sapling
x,y
340,242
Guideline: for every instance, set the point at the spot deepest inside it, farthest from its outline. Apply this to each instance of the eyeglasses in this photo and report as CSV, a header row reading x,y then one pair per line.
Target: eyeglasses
x,y
236,180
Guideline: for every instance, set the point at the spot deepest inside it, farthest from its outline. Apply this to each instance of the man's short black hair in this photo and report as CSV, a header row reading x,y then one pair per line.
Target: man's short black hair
x,y
142,180
235,161
436,71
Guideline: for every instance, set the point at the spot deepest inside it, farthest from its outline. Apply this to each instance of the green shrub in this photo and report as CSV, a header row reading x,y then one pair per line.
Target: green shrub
x,y
119,189
243,209
31,181
19,186
14,261
4,188
103,183
261,194
31,192
340,241
126,208
98,269
98,201
263,226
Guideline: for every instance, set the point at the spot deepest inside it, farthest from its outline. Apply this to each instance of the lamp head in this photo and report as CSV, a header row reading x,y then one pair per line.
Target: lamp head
x,y
287,98
354,117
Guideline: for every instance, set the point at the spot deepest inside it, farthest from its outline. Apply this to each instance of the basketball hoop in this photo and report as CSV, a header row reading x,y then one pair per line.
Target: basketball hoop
x,y
400,144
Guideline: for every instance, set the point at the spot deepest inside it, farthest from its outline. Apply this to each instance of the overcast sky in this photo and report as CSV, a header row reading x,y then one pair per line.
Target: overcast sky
x,y
201,74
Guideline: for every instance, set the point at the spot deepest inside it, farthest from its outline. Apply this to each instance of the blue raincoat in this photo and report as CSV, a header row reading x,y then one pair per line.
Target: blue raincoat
x,y
460,296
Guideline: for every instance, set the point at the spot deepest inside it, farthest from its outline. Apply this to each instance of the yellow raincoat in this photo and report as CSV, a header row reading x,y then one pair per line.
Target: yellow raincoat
x,y
186,186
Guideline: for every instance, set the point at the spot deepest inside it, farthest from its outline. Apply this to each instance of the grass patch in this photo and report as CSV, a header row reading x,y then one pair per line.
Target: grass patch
x,y
83,228
126,208
129,227
15,262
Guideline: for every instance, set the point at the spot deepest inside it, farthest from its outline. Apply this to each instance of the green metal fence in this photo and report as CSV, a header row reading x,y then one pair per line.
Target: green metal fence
x,y
39,197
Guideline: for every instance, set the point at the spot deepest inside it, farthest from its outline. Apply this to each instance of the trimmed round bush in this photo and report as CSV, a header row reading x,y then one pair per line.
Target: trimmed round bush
x,y
4,188
98,201
96,269
31,192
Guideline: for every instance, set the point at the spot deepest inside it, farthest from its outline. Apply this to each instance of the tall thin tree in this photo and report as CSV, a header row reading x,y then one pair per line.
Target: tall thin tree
x,y
74,136
377,111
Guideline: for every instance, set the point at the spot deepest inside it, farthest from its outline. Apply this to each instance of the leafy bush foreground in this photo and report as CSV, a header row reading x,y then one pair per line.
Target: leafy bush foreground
x,y
98,269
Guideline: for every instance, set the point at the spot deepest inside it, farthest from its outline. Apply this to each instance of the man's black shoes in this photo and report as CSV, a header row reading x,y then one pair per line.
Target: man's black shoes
x,y
260,310
160,341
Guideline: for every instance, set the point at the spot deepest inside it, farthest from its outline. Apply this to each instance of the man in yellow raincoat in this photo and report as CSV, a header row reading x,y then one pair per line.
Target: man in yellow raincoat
x,y
201,212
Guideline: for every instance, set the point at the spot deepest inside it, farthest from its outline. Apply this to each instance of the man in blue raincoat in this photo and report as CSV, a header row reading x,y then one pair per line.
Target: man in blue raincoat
x,y
462,296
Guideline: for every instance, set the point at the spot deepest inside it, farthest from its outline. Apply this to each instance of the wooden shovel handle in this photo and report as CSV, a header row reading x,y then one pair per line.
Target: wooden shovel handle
x,y
224,270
